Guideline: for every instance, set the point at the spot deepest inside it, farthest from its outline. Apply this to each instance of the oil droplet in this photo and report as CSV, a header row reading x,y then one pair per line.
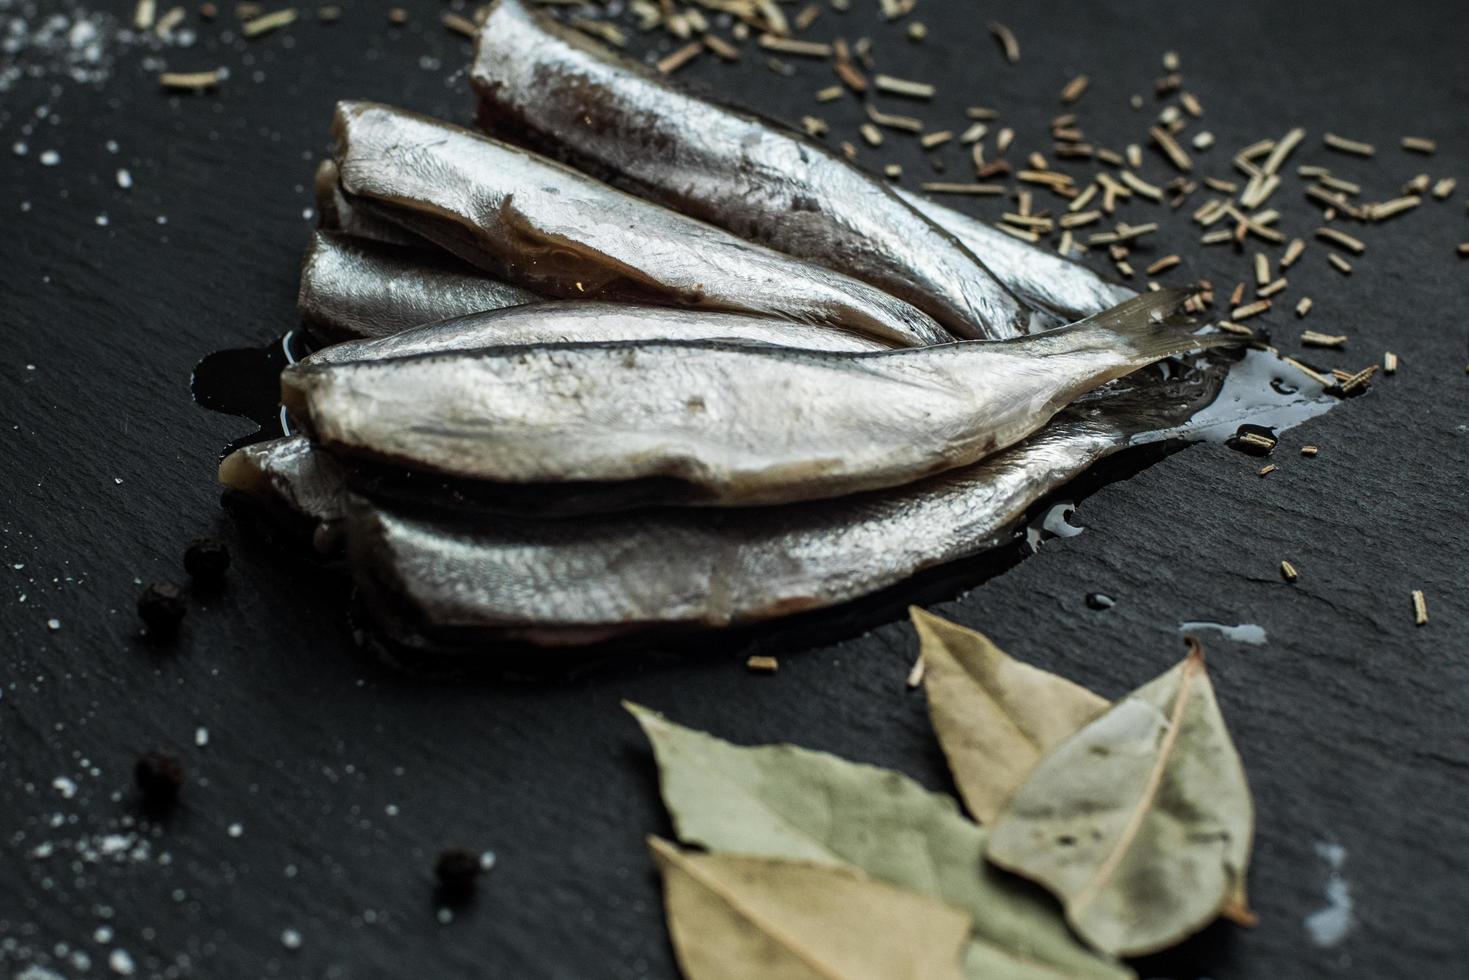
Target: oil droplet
x,y
1052,523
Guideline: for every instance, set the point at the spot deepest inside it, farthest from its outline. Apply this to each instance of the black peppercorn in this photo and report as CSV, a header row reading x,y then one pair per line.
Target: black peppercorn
x,y
162,607
206,560
160,777
457,871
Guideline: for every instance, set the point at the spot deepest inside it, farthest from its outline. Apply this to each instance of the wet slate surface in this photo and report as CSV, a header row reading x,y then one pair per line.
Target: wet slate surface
x,y
329,781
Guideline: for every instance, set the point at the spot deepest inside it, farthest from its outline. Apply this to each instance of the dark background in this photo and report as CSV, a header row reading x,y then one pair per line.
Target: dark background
x,y
345,776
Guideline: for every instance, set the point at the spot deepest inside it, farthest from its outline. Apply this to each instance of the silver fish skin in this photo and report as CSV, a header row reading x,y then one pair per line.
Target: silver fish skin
x,y
554,89
560,583
335,212
580,323
352,287
536,223
1046,281
736,425
292,477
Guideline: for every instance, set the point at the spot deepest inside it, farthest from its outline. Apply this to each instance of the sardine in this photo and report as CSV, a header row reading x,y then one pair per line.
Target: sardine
x,y
335,212
552,88
295,481
572,323
352,287
536,223
572,582
1041,278
732,425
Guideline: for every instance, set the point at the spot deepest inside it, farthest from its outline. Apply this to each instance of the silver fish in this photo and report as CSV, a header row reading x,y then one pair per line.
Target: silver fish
x,y
538,224
572,322
1041,278
352,287
335,212
732,425
572,582
559,92
295,480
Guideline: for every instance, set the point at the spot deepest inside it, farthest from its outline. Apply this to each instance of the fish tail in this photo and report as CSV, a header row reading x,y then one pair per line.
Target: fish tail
x,y
1146,328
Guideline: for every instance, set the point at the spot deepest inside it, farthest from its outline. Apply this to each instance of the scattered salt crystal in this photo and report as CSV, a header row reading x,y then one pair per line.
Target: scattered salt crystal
x,y
53,624
308,213
34,972
1330,924
101,220
103,934
20,149
50,158
487,860
201,736
117,480
121,962
445,916
65,786
235,830
124,178
112,146
291,939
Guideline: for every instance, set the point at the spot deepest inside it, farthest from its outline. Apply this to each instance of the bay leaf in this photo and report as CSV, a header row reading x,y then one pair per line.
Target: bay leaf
x,y
1140,823
734,916
787,802
995,717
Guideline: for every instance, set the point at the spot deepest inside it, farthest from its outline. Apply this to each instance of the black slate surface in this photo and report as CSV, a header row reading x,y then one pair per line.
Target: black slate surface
x,y
329,781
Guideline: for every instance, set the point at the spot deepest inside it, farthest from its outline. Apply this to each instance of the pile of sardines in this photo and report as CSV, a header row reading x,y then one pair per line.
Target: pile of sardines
x,y
598,369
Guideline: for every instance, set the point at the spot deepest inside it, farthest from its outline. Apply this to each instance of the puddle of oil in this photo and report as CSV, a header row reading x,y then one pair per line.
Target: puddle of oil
x,y
1329,925
1261,392
245,381
1242,633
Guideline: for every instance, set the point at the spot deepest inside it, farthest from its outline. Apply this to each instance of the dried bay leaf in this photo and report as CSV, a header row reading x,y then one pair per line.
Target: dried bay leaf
x,y
736,916
787,802
995,717
1141,822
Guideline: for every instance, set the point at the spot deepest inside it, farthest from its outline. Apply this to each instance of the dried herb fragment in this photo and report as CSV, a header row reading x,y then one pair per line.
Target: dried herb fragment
x,y
192,81
1008,42
268,22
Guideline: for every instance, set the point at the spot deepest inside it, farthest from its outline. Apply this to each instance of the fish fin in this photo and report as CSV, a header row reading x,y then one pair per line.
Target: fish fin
x,y
1150,324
